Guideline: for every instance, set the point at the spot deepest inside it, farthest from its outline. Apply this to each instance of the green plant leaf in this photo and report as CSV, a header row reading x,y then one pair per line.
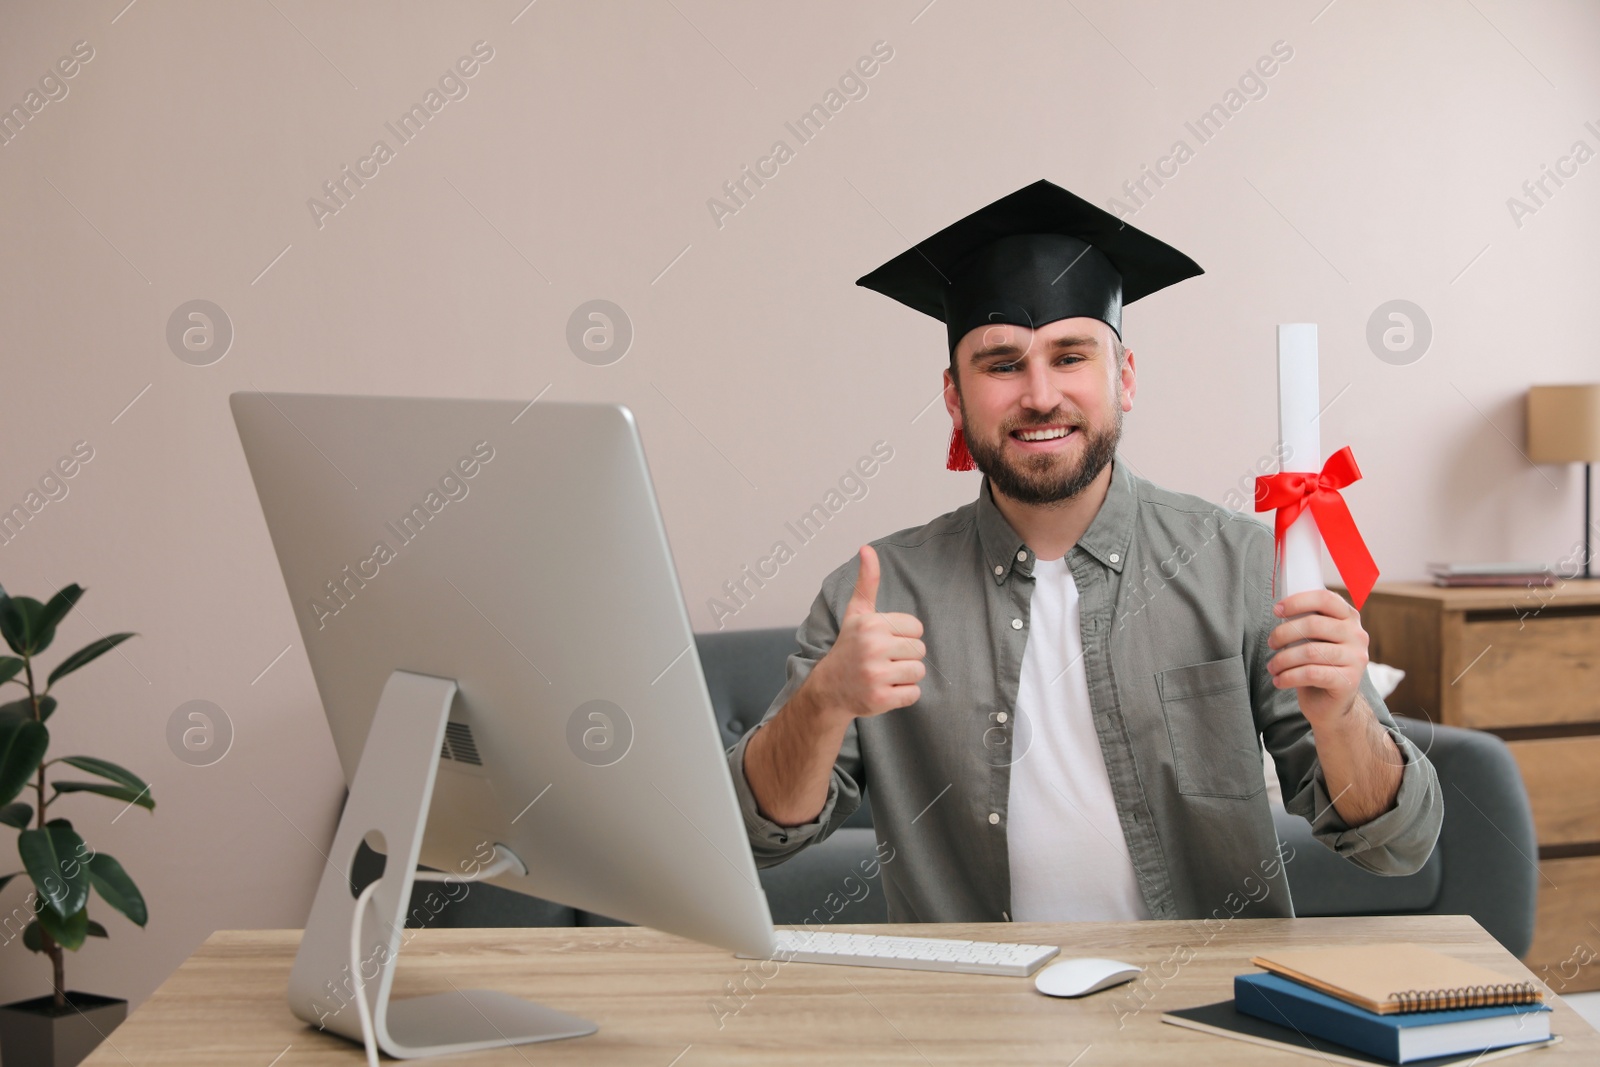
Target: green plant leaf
x,y
17,710
140,797
53,857
96,930
68,930
106,769
44,625
116,888
31,939
10,667
18,815
16,622
22,749
85,655
7,878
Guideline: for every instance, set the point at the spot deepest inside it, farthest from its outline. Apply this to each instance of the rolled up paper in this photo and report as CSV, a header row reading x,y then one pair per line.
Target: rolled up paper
x,y
1301,451
1305,491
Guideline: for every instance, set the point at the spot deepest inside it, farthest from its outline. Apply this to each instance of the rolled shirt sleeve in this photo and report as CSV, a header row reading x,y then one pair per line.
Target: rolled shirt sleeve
x,y
1397,841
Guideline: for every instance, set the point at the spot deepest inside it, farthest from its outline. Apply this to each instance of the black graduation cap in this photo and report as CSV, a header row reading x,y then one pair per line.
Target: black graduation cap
x,y
1035,256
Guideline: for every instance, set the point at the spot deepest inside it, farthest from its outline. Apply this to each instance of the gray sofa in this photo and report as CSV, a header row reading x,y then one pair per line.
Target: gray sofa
x,y
1483,865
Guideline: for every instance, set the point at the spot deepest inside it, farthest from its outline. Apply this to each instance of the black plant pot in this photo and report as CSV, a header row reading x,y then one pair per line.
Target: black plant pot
x,y
34,1033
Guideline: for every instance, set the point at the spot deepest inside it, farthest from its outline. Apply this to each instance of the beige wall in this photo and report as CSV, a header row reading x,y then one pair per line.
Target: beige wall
x,y
1377,166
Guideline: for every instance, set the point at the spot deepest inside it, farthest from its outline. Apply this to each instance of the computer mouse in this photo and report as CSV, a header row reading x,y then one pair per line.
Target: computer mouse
x,y
1080,977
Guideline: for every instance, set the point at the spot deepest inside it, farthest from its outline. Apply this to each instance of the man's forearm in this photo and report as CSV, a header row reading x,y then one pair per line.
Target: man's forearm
x,y
789,760
1360,763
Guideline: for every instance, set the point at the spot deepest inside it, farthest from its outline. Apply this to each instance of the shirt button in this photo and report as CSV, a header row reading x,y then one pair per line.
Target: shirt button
x,y
1022,557
1114,558
994,818
1016,624
998,571
1001,717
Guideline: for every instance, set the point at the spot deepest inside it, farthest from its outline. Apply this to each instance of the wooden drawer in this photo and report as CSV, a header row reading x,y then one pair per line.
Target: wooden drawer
x,y
1566,938
1562,775
1538,671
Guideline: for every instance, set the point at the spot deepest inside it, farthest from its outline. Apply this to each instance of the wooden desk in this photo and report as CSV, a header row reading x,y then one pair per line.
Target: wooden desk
x,y
653,996
1522,663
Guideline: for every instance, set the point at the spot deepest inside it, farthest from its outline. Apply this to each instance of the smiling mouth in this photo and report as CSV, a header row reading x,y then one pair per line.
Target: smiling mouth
x,y
1041,434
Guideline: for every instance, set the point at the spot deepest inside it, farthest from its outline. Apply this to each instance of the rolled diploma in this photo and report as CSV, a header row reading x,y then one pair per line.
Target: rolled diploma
x,y
1302,450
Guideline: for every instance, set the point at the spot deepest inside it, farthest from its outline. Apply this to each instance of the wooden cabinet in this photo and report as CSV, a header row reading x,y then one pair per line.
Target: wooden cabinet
x,y
1524,664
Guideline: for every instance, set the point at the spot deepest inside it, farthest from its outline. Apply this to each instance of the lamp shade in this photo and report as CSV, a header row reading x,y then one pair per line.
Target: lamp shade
x,y
1564,423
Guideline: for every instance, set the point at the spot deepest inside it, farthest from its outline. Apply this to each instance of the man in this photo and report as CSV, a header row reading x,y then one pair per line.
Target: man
x,y
1057,693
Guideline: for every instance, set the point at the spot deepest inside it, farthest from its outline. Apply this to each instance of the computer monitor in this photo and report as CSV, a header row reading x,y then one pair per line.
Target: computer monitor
x,y
491,612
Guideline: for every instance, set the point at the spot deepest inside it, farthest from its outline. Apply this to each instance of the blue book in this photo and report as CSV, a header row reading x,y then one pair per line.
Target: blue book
x,y
1399,1038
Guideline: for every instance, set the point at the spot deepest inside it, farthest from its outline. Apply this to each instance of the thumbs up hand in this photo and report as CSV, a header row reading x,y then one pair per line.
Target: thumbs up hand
x,y
876,661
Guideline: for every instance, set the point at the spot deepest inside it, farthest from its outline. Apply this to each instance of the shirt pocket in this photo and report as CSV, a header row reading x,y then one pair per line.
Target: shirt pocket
x,y
1211,726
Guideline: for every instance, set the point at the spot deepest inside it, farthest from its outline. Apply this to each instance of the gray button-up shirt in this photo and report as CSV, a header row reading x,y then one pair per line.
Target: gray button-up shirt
x,y
1175,597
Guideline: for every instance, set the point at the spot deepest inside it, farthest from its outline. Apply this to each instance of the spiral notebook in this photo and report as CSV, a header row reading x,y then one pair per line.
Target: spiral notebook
x,y
1399,978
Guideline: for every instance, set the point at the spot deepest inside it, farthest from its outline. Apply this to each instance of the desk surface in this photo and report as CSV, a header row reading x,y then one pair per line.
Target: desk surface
x,y
657,998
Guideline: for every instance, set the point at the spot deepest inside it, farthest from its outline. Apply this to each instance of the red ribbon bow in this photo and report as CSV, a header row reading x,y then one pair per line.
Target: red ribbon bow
x,y
1291,492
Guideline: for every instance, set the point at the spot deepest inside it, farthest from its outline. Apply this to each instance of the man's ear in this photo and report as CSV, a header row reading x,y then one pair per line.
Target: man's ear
x,y
952,399
1130,383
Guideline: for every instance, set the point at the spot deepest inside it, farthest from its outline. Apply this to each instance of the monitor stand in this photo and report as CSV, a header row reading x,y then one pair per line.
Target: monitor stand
x,y
391,793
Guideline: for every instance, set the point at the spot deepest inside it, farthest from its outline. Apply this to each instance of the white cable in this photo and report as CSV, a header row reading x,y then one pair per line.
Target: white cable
x,y
367,1037
505,862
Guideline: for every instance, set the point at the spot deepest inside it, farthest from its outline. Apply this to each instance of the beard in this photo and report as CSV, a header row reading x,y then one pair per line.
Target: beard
x,y
1047,478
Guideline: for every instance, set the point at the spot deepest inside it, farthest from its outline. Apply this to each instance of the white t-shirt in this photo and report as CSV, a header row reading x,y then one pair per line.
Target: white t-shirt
x,y
1069,861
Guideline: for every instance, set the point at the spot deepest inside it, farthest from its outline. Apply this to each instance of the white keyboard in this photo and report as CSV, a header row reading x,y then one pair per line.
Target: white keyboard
x,y
910,953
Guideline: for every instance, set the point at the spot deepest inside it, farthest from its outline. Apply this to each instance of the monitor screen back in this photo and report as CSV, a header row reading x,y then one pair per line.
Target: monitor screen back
x,y
518,550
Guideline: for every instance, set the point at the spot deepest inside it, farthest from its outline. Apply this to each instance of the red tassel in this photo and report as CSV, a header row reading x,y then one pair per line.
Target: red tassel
x,y
959,459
